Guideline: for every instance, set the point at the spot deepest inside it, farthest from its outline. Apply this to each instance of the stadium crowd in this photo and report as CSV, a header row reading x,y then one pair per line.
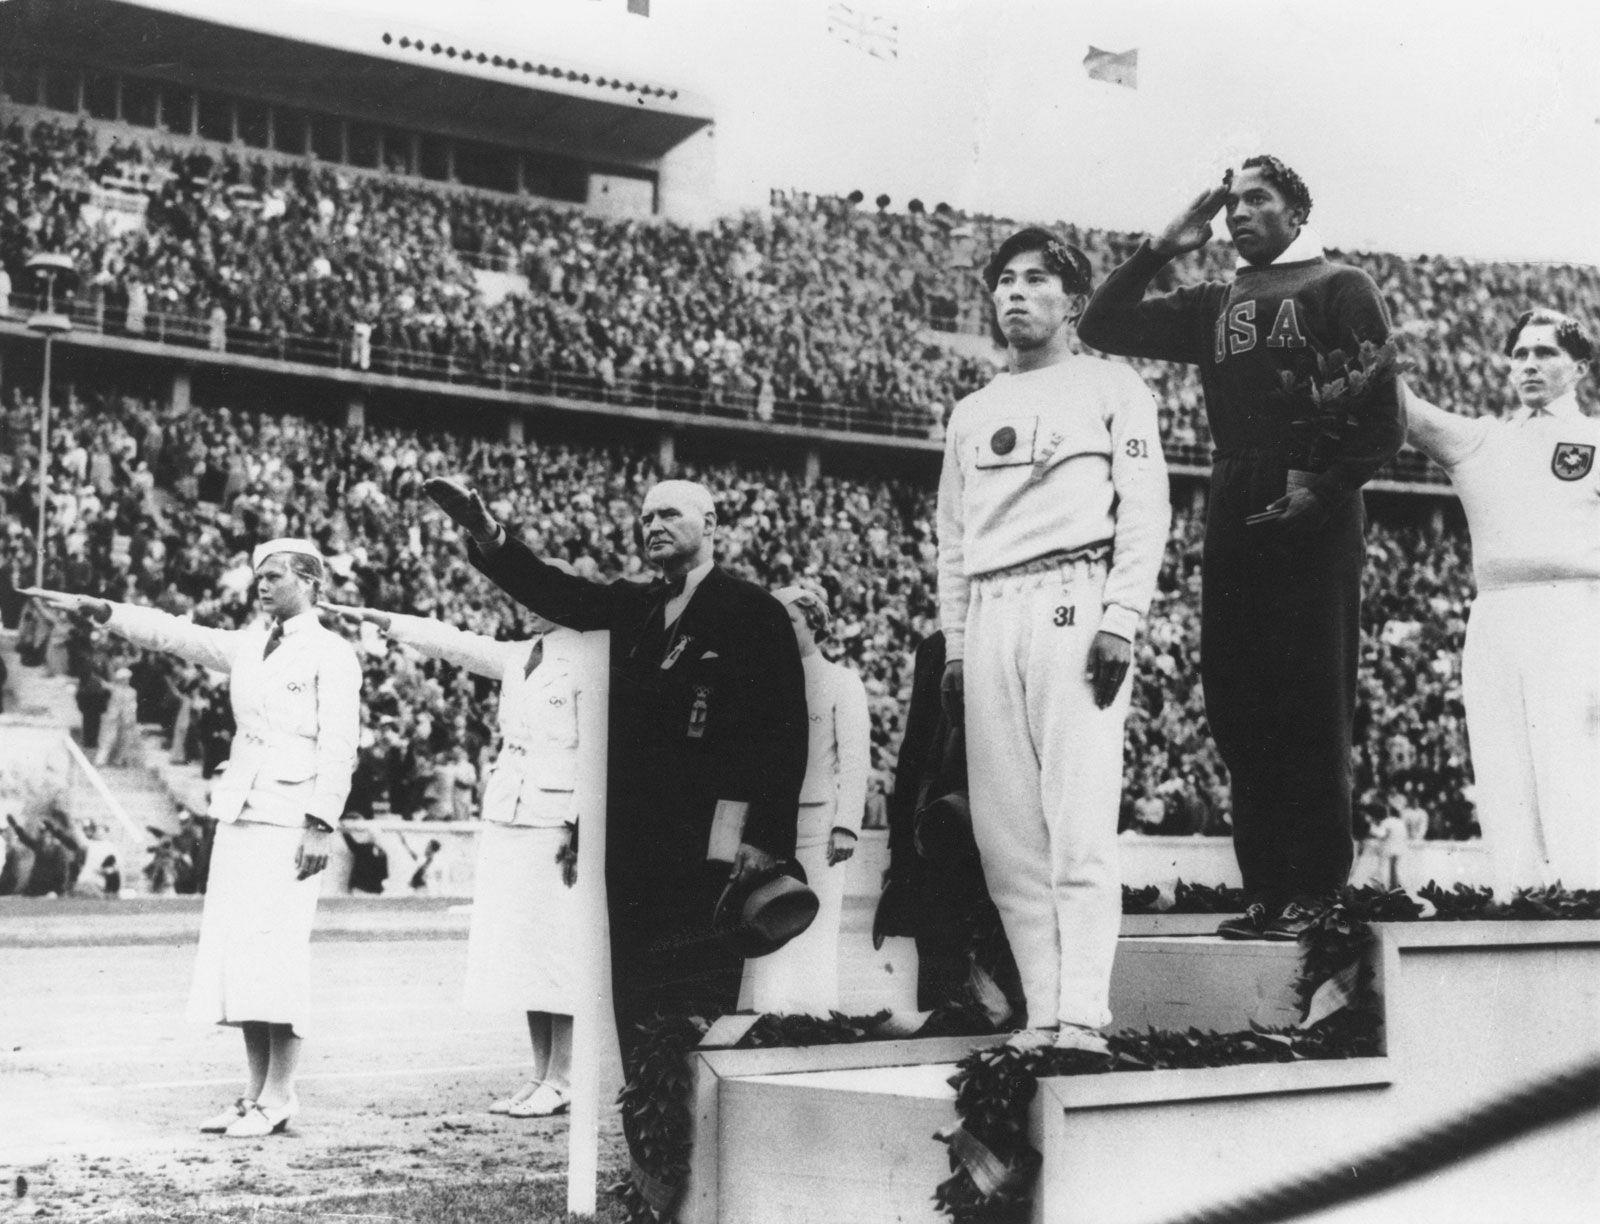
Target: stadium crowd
x,y
818,303
163,506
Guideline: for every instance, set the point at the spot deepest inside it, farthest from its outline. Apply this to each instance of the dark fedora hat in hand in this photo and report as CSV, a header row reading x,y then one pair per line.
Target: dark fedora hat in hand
x,y
943,831
759,914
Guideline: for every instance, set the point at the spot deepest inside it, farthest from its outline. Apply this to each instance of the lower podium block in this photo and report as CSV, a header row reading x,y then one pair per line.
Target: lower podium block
x,y
836,1133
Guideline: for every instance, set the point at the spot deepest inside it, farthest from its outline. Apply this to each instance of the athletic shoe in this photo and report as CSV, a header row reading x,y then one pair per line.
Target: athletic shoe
x,y
1288,926
1079,1037
220,1122
1252,924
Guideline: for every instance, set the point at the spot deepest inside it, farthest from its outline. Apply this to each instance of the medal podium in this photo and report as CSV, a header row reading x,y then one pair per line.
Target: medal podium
x,y
1471,1011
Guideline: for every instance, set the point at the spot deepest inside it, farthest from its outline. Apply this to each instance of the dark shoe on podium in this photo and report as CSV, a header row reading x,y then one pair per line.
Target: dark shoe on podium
x,y
1288,926
1252,924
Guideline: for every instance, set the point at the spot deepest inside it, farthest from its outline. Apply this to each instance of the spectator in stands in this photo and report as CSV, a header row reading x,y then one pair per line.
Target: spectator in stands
x,y
121,744
93,696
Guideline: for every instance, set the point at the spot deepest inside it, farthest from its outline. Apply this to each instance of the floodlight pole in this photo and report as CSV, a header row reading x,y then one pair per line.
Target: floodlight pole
x,y
49,323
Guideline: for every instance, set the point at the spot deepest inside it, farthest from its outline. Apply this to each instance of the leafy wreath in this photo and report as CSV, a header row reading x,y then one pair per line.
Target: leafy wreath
x,y
992,1161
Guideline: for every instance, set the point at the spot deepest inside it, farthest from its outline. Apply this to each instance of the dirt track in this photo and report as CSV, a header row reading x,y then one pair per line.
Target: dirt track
x,y
101,1082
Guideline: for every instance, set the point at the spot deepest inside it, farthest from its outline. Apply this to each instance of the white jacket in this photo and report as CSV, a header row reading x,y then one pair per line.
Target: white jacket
x,y
834,793
298,713
537,769
1047,461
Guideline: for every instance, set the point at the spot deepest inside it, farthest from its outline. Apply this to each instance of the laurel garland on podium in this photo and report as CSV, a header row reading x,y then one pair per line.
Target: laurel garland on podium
x,y
993,1162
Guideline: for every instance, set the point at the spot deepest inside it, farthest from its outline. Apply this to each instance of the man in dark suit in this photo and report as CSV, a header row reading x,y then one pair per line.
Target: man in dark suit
x,y
708,738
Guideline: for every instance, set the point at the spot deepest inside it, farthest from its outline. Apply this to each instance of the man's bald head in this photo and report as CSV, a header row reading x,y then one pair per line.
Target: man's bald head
x,y
689,495
677,521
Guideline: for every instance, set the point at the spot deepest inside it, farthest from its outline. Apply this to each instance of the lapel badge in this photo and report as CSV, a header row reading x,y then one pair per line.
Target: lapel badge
x,y
676,652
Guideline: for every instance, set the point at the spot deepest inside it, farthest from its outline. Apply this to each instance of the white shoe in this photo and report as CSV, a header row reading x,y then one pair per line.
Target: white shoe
x,y
262,1120
220,1122
1031,1039
1080,1037
545,1102
505,1104
901,1023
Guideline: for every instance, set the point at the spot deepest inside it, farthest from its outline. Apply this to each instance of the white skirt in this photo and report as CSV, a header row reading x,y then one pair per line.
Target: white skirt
x,y
521,952
802,977
254,960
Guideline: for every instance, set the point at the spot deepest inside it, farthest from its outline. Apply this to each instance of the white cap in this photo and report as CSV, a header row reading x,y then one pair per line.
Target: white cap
x,y
285,544
808,599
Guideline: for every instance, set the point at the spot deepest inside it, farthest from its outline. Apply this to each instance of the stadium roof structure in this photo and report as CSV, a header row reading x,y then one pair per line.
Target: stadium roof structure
x,y
376,70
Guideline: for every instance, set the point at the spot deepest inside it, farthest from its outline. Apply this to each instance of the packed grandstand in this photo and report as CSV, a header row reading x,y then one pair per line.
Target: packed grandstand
x,y
819,310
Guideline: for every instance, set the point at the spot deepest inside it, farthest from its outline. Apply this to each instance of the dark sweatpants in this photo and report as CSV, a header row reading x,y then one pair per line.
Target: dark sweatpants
x,y
1280,641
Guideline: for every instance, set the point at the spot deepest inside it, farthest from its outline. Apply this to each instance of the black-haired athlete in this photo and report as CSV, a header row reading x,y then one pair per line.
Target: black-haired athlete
x,y
1531,668
1285,524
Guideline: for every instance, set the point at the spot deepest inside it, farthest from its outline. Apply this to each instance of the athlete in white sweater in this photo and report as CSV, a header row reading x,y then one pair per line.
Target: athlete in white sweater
x,y
1053,514
1530,487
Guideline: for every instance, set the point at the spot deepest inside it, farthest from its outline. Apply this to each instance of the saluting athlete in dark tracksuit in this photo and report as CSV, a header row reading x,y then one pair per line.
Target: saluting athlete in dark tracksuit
x,y
1281,598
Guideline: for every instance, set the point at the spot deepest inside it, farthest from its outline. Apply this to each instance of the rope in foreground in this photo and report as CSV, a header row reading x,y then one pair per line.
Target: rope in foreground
x,y
1544,1102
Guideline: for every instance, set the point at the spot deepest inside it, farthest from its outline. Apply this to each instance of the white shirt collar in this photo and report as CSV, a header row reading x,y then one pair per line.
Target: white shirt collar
x,y
1305,246
294,624
691,580
1562,406
695,577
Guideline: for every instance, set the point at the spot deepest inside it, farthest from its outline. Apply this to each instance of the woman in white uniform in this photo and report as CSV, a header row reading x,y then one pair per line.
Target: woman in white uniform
x,y
520,951
803,975
295,689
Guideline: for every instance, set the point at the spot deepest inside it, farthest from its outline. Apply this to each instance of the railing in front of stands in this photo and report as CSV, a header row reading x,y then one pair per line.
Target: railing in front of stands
x,y
194,331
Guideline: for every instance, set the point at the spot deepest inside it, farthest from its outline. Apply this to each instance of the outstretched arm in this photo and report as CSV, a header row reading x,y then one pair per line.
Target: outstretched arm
x,y
476,652
1443,436
149,628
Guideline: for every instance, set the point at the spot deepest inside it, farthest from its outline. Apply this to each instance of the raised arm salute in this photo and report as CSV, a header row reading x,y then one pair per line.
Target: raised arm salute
x,y
708,731
521,948
1285,522
295,689
1531,668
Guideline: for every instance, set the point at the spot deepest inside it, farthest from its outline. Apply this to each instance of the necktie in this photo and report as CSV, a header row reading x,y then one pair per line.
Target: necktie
x,y
274,639
535,657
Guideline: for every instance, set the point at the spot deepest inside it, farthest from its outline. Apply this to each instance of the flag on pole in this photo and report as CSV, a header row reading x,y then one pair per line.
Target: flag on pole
x,y
871,32
1115,67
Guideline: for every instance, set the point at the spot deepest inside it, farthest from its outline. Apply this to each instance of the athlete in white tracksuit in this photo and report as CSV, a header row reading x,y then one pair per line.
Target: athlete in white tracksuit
x,y
1053,515
1530,485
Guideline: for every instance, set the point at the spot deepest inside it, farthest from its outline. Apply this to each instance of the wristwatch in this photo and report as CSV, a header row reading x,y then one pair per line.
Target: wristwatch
x,y
317,823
